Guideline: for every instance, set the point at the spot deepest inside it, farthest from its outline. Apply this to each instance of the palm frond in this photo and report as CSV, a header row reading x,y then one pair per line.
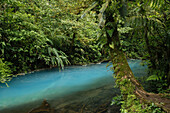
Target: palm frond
x,y
104,6
56,57
94,4
154,3
101,15
138,21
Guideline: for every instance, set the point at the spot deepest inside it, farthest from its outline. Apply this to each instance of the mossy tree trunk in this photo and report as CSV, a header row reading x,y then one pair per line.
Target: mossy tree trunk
x,y
125,79
121,67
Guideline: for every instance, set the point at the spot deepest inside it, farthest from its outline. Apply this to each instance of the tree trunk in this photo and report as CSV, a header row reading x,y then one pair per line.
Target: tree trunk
x,y
125,78
120,64
151,58
72,43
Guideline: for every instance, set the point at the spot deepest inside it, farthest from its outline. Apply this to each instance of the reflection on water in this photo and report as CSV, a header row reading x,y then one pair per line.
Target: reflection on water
x,y
57,87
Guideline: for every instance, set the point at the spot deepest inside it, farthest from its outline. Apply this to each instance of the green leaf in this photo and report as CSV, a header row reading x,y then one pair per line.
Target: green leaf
x,y
110,32
111,45
152,77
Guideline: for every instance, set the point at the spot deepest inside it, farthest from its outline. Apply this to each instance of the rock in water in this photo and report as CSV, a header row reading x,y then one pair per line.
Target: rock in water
x,y
43,108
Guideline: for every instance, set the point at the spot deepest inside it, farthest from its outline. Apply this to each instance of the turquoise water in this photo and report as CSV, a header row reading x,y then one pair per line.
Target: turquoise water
x,y
52,83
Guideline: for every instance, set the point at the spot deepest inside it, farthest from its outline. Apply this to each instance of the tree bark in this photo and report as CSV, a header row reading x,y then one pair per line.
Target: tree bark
x,y
72,43
151,58
125,75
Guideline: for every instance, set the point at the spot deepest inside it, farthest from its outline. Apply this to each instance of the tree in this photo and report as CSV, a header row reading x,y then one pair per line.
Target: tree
x,y
38,34
111,15
150,23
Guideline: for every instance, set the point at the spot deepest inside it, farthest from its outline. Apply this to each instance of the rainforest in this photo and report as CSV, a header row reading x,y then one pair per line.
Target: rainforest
x,y
84,56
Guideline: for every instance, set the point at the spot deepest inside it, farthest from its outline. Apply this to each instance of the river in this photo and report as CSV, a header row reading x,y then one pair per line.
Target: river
x,y
61,88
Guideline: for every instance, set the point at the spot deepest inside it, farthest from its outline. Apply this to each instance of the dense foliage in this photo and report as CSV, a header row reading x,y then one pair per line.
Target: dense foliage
x,y
44,33
150,24
38,34
136,24
5,72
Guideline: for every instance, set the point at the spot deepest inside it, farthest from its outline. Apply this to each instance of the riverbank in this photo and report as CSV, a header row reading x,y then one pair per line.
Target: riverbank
x,y
41,69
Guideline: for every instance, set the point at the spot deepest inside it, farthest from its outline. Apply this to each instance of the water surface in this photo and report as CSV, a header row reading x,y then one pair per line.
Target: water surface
x,y
52,83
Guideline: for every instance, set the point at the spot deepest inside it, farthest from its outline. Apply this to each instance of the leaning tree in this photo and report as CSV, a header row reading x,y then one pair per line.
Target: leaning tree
x,y
112,15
